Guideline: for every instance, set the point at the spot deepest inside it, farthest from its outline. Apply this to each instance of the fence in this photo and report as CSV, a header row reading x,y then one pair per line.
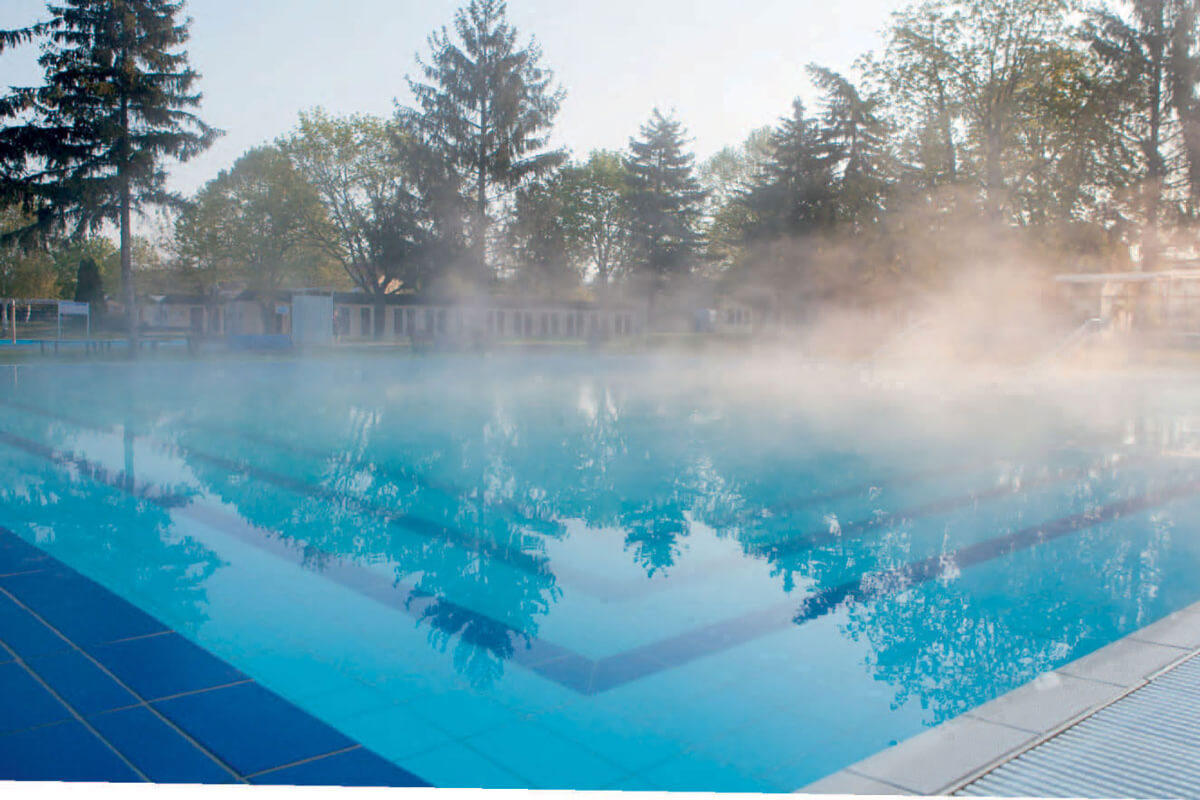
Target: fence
x,y
33,321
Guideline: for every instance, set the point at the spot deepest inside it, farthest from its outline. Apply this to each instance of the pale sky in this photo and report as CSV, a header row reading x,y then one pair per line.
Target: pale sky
x,y
724,67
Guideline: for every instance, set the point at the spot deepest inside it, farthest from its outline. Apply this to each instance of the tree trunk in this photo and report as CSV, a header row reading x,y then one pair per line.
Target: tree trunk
x,y
481,224
130,295
127,287
1155,165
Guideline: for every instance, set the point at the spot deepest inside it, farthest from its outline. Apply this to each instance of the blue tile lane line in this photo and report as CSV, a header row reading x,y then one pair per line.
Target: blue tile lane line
x,y
155,707
589,676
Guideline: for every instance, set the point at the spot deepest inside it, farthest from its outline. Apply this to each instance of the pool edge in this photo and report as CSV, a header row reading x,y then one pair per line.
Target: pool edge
x,y
953,754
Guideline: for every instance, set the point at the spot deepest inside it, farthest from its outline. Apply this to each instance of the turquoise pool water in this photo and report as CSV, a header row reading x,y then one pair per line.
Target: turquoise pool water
x,y
613,572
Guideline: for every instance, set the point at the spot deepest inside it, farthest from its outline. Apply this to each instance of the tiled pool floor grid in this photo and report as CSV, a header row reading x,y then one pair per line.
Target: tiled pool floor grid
x,y
1146,744
94,689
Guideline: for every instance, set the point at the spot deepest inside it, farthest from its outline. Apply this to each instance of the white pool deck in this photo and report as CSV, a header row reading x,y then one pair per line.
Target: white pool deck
x,y
1062,733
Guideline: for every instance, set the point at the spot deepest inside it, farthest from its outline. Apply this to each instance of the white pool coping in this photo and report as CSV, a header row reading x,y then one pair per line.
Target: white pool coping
x,y
945,758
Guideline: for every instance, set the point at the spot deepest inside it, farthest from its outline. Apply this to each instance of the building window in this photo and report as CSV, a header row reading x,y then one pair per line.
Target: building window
x,y
570,324
441,320
545,330
528,325
365,322
428,328
342,321
397,322
410,318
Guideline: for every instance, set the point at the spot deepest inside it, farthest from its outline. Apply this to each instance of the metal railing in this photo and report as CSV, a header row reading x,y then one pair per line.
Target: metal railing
x,y
1076,339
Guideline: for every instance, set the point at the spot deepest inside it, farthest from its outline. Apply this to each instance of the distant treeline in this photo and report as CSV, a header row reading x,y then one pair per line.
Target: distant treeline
x,y
984,133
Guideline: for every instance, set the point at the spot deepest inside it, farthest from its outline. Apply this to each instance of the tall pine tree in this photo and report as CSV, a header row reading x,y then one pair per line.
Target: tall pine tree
x,y
487,105
795,195
853,134
88,147
666,200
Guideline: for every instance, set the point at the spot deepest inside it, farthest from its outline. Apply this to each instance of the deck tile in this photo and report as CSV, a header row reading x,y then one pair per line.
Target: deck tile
x,y
65,752
24,634
252,729
24,703
80,682
161,666
79,608
157,749
358,767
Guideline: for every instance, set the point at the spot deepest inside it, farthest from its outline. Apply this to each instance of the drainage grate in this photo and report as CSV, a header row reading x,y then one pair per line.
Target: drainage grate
x,y
1147,744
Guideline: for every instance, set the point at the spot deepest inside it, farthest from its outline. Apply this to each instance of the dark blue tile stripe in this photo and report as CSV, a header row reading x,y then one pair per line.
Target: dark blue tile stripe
x,y
247,725
347,574
94,471
798,543
747,627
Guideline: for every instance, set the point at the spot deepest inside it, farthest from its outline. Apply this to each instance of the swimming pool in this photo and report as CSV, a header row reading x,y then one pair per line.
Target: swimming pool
x,y
613,572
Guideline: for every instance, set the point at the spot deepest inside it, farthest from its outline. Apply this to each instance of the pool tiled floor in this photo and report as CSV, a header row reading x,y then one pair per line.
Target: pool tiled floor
x,y
93,689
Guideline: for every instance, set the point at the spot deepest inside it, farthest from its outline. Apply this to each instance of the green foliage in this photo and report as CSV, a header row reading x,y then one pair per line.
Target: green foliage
x,y
537,240
88,146
1147,70
486,106
854,137
255,222
89,287
1066,132
666,200
393,213
794,194
598,215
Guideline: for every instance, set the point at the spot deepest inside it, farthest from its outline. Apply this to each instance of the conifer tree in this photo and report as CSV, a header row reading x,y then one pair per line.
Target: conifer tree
x,y
854,136
795,193
88,147
89,286
487,105
666,199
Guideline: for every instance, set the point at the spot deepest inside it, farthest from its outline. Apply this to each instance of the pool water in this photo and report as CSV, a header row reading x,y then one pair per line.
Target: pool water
x,y
614,572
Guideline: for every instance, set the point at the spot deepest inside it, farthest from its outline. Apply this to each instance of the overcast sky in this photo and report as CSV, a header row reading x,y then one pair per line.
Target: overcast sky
x,y
724,67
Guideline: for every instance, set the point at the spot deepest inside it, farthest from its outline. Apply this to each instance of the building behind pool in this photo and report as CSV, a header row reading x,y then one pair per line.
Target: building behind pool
x,y
1163,301
312,317
309,317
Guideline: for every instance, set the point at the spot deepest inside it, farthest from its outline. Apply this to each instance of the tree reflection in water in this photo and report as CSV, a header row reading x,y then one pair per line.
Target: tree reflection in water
x,y
87,509
461,483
